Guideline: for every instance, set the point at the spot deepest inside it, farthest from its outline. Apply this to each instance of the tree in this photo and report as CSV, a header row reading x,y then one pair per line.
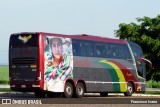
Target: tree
x,y
147,34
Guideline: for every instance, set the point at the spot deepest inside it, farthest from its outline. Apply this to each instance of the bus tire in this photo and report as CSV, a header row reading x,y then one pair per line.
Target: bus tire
x,y
103,94
68,90
79,91
130,89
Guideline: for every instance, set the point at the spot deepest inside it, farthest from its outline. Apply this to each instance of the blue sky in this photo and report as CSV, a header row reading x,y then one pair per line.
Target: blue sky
x,y
94,17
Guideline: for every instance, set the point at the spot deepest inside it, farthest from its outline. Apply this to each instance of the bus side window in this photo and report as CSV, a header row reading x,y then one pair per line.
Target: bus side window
x,y
86,48
137,53
89,49
76,47
98,50
112,51
124,53
106,51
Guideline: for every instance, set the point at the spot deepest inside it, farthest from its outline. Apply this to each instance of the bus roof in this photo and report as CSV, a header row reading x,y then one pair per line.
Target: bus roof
x,y
79,36
99,38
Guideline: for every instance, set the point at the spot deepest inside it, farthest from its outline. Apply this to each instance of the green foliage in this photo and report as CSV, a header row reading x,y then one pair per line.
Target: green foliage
x,y
4,75
156,76
5,90
149,84
147,34
153,84
158,84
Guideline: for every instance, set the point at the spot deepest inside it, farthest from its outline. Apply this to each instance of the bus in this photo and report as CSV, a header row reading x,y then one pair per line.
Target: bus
x,y
71,65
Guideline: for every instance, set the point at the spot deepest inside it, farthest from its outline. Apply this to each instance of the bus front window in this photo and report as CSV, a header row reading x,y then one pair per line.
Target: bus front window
x,y
138,53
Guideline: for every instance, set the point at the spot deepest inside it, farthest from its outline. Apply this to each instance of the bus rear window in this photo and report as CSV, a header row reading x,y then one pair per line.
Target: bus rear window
x,y
24,40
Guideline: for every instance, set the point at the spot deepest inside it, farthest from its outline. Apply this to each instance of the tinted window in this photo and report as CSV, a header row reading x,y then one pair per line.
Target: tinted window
x,y
101,49
76,47
86,48
98,49
137,51
111,50
24,40
124,52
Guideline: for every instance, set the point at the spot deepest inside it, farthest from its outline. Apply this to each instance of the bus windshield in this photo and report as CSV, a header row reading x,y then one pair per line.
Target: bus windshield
x,y
138,53
23,40
23,57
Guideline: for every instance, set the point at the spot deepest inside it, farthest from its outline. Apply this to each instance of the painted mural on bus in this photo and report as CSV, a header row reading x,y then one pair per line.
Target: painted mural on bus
x,y
58,65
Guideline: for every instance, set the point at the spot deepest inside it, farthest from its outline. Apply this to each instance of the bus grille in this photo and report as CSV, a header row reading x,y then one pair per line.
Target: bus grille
x,y
28,60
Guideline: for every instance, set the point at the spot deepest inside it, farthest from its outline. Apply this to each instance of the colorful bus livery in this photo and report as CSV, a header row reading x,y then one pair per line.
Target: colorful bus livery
x,y
71,65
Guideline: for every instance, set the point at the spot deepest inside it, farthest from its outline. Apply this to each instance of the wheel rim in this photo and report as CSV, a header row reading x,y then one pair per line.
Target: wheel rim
x,y
130,89
69,90
80,90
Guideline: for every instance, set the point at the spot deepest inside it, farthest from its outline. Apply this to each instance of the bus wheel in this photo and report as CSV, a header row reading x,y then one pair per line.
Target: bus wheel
x,y
104,94
130,89
79,92
39,94
68,91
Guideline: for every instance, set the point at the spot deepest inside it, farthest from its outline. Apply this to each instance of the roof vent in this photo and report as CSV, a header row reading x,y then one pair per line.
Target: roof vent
x,y
84,35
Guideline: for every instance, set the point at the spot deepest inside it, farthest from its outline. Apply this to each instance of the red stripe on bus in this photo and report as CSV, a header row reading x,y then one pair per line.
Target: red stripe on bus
x,y
127,73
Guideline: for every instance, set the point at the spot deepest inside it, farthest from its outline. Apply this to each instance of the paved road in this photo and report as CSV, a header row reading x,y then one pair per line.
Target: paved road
x,y
87,95
87,99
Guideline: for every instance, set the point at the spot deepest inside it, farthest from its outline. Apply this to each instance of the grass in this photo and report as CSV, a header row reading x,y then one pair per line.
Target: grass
x,y
4,75
5,90
153,92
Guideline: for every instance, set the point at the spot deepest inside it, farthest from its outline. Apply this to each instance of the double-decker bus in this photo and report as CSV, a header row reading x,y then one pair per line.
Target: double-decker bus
x,y
53,64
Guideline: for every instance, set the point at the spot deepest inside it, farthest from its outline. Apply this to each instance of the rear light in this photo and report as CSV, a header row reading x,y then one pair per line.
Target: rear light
x,y
13,66
35,85
38,78
139,87
33,66
23,86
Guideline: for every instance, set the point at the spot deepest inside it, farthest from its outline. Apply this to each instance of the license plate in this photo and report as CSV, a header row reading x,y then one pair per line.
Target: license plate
x,y
23,86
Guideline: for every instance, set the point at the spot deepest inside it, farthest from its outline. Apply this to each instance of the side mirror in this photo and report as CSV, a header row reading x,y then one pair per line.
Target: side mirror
x,y
146,60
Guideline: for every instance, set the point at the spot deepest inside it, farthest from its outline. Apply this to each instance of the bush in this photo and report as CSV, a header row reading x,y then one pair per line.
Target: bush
x,y
158,84
153,84
155,76
149,83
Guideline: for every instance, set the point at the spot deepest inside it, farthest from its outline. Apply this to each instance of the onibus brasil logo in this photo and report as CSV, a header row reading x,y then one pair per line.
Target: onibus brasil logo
x,y
20,101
